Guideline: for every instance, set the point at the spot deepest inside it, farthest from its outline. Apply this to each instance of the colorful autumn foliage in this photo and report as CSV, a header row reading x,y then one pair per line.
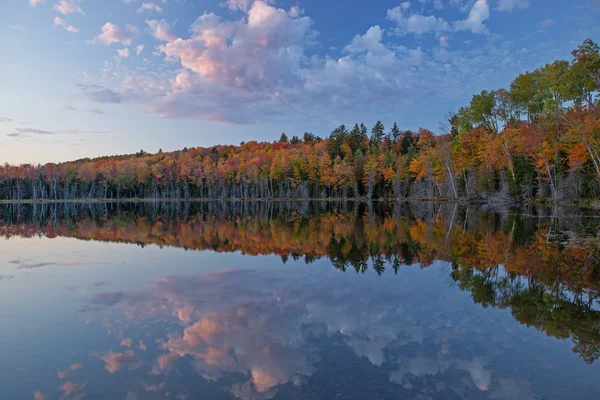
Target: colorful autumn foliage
x,y
539,138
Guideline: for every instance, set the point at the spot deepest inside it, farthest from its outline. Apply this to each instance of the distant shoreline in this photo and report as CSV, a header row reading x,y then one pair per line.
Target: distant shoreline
x,y
496,202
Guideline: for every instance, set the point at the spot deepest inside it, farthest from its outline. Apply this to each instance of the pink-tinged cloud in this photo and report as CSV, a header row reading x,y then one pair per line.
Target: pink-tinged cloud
x,y
111,33
138,49
65,25
115,361
262,49
37,395
161,30
124,53
34,3
68,7
72,367
127,342
70,388
142,346
154,387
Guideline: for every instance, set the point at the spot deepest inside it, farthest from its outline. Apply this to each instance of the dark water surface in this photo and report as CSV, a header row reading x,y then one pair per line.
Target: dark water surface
x,y
298,301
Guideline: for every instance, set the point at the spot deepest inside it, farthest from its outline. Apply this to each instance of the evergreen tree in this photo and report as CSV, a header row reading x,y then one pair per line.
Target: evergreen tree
x,y
283,138
377,133
395,132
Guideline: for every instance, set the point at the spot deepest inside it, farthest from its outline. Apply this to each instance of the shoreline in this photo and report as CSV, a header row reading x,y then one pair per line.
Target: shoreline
x,y
540,202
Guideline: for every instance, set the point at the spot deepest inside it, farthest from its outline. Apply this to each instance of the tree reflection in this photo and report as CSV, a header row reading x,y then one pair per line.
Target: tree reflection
x,y
544,268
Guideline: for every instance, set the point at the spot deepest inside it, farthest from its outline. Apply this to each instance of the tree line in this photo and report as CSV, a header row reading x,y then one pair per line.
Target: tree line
x,y
538,139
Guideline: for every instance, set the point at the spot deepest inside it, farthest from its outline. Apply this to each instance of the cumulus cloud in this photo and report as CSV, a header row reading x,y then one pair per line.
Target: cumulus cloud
x,y
123,52
415,23
65,25
161,30
509,5
475,21
115,361
138,49
369,42
260,67
68,7
111,33
149,7
70,388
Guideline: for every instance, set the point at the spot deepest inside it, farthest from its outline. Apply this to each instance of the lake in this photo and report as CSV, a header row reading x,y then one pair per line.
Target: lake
x,y
311,300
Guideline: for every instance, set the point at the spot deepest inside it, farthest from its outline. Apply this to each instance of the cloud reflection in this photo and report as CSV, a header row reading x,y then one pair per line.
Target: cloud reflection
x,y
248,323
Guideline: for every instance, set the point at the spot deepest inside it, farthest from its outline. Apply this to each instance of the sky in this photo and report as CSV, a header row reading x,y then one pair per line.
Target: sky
x,y
85,78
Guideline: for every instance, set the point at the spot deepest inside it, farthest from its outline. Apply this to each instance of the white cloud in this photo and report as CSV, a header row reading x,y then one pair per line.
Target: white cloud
x,y
34,3
415,23
111,33
370,41
123,52
509,5
475,21
149,7
161,30
139,48
68,7
65,25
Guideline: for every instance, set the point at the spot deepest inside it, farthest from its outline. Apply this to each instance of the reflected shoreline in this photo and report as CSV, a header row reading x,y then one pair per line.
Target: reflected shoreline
x,y
544,265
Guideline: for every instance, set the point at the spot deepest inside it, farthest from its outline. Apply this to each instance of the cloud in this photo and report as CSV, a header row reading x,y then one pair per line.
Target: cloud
x,y
242,5
127,342
154,387
475,21
72,367
262,67
123,52
545,24
37,395
6,277
63,24
34,3
509,5
149,7
415,23
4,119
68,7
369,42
115,361
28,132
111,33
142,346
138,49
100,94
69,388
161,30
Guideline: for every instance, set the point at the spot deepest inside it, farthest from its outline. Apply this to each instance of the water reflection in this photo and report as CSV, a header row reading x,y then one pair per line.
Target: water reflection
x,y
444,328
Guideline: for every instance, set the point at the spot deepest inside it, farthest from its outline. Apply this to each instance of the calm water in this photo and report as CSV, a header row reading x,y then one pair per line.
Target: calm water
x,y
298,301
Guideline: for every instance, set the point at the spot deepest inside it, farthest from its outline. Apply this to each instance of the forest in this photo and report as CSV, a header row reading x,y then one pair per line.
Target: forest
x,y
544,267
537,140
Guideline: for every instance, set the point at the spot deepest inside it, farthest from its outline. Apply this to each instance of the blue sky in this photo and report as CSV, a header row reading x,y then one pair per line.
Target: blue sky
x,y
88,78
